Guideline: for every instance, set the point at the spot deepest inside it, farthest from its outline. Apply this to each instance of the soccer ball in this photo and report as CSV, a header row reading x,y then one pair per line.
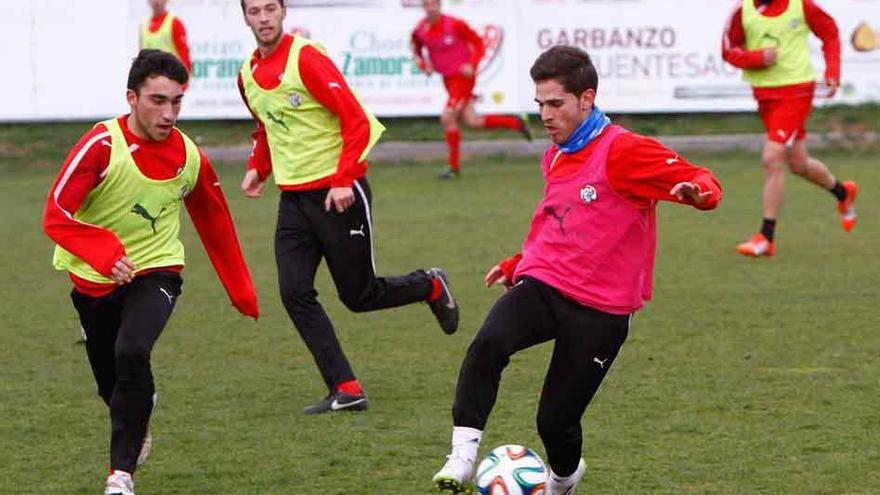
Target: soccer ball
x,y
511,470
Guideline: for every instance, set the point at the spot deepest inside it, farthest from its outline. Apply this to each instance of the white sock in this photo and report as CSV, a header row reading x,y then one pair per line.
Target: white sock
x,y
466,442
563,480
571,478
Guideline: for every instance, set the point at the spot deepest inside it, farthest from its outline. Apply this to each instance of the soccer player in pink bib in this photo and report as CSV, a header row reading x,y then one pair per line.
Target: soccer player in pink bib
x,y
586,266
454,51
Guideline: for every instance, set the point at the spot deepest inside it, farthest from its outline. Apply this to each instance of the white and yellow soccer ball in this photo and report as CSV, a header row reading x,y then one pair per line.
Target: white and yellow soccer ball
x,y
511,470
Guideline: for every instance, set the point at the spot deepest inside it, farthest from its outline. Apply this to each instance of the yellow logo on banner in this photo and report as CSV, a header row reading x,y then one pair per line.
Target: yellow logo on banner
x,y
865,39
498,97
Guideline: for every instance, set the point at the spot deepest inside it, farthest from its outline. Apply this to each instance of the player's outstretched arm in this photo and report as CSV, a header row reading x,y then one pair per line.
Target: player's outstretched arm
x,y
644,171
691,192
210,215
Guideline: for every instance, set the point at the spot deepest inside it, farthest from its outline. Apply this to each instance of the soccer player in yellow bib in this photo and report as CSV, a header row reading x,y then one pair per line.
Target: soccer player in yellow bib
x,y
114,213
165,31
768,40
314,136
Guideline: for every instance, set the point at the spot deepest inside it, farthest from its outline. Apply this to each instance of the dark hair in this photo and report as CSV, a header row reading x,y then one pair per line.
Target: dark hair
x,y
280,2
151,63
571,66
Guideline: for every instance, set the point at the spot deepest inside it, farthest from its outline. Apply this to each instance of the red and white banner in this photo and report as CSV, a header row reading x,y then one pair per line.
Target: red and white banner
x,y
69,58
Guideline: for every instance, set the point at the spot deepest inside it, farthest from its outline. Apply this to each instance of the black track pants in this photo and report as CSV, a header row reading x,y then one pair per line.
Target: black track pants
x,y
586,344
305,234
121,329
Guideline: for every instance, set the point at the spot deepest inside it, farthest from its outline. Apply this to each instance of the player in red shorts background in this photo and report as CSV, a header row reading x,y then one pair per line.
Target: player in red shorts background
x,y
454,51
768,40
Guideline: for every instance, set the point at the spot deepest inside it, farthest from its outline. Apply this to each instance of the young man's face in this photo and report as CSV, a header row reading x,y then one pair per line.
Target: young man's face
x,y
432,8
561,112
154,108
266,19
158,6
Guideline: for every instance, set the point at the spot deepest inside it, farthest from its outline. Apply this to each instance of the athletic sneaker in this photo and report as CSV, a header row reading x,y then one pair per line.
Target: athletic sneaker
x,y
757,246
147,443
339,401
119,483
448,173
445,308
455,476
845,207
524,127
565,486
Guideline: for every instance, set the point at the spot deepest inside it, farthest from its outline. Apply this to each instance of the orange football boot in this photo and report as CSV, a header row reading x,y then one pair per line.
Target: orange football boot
x,y
757,246
845,207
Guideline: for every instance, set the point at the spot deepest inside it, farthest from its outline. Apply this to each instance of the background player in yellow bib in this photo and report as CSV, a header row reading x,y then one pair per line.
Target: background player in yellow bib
x,y
114,213
314,136
768,40
165,31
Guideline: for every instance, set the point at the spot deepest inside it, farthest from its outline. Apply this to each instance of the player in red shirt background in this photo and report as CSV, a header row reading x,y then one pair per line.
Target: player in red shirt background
x,y
178,33
454,51
784,110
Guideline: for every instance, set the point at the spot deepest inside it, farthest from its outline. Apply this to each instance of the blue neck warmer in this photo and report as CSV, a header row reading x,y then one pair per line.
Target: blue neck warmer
x,y
591,127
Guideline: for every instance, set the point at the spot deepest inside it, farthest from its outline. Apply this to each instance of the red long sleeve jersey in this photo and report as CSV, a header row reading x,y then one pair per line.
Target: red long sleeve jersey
x,y
85,168
324,81
642,170
821,24
178,32
478,50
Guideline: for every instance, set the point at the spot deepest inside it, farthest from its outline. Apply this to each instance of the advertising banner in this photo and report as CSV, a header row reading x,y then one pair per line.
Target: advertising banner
x,y
71,56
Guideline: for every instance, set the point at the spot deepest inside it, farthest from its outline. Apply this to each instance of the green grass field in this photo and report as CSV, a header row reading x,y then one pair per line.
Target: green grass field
x,y
741,377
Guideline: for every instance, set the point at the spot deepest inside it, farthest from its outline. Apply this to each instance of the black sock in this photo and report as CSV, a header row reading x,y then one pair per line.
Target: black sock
x,y
838,191
767,228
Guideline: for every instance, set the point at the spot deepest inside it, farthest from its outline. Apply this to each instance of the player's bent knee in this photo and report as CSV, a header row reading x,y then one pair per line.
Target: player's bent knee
x,y
490,348
295,298
473,122
358,303
133,367
773,161
798,166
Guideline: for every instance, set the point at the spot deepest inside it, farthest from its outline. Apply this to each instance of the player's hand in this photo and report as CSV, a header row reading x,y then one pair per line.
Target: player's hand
x,y
123,271
428,70
832,87
496,276
340,197
251,184
770,55
467,70
690,192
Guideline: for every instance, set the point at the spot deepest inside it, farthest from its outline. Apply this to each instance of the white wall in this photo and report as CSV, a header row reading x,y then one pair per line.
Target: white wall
x,y
70,58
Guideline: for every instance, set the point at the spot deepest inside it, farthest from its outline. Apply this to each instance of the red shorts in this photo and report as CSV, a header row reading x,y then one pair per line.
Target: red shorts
x,y
784,118
460,89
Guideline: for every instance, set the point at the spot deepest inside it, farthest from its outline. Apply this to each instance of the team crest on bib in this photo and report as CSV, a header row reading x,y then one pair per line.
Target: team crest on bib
x,y
794,23
184,191
588,194
296,99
